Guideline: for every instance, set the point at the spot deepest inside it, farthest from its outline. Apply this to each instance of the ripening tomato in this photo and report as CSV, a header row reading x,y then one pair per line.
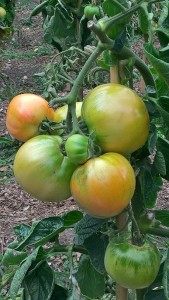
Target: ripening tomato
x,y
131,266
61,112
25,114
104,185
118,116
77,148
42,170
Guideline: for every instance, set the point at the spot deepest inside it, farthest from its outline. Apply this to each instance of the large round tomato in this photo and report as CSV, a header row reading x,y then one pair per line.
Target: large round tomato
x,y
61,112
104,185
42,170
118,116
25,114
77,148
131,266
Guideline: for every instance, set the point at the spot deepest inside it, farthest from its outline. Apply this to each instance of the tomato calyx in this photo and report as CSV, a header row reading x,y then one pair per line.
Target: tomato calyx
x,y
51,127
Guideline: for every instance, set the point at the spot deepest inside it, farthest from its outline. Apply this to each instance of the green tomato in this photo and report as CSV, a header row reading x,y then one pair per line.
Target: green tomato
x,y
42,170
131,266
91,11
2,13
77,148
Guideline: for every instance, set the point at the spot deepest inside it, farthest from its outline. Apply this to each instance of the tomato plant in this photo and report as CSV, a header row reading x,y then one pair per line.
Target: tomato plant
x,y
132,266
118,116
116,193
104,185
42,170
7,14
77,148
25,114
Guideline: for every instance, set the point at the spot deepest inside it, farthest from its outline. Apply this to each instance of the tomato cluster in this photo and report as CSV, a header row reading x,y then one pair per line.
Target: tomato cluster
x,y
103,184
55,167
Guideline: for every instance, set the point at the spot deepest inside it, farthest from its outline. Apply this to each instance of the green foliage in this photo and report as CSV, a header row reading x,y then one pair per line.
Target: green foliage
x,y
27,264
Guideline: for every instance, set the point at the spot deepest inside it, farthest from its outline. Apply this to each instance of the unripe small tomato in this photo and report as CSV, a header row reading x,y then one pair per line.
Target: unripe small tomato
x,y
77,148
91,11
2,13
132,266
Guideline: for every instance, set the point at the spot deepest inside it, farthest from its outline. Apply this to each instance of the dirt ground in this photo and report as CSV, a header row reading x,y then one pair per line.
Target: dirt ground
x,y
17,206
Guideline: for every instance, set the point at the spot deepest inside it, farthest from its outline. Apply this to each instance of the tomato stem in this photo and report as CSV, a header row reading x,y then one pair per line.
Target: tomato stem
x,y
136,234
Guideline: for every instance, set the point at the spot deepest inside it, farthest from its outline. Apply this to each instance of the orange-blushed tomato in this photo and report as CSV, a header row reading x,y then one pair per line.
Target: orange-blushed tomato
x,y
25,114
118,116
104,185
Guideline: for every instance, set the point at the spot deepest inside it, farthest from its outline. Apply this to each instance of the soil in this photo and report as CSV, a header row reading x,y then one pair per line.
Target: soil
x,y
16,205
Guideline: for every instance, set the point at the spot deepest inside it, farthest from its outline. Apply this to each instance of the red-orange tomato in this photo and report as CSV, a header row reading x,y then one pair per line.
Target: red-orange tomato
x,y
104,185
25,114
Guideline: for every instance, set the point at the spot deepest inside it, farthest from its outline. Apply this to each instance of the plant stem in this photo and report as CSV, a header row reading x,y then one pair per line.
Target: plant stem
x,y
139,64
72,96
140,294
159,231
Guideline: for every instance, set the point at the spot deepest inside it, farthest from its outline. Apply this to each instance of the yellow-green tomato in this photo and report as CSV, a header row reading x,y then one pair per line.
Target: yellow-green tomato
x,y
61,112
118,116
2,13
42,170
131,266
77,148
104,185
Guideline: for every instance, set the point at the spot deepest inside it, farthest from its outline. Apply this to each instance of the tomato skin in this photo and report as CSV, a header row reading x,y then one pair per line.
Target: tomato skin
x,y
25,114
61,112
118,116
104,185
91,11
131,266
42,170
77,148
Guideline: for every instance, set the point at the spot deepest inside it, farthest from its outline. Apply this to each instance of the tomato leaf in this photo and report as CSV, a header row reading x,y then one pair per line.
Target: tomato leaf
x,y
21,272
97,253
166,277
13,257
163,107
59,293
22,230
86,227
163,147
72,217
91,283
160,65
162,216
39,283
159,162
42,232
143,17
150,184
